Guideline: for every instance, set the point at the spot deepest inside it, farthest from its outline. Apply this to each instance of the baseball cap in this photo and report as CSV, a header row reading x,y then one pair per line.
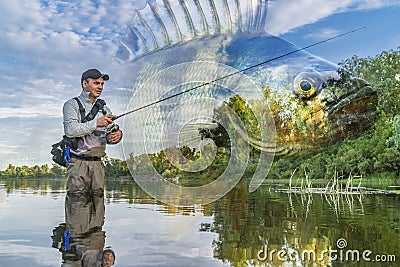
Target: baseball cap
x,y
94,74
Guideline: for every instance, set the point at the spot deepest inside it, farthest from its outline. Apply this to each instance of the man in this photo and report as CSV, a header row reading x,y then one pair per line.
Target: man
x,y
85,171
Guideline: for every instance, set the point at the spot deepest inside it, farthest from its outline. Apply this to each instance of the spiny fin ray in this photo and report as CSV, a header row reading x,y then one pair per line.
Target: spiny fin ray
x,y
163,23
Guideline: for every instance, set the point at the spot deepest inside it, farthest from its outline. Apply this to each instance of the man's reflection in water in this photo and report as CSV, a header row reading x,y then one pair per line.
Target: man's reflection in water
x,y
84,215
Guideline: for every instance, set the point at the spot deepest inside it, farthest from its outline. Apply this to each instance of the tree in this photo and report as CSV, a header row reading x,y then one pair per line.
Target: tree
x,y
10,171
57,170
394,140
219,134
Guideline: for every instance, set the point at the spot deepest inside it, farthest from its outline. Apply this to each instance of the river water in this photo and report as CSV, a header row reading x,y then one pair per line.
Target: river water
x,y
263,228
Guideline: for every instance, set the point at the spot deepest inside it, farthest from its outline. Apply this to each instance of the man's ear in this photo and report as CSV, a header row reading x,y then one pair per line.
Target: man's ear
x,y
84,84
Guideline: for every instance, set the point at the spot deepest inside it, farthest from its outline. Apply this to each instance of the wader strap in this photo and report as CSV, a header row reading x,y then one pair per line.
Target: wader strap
x,y
81,108
85,158
98,105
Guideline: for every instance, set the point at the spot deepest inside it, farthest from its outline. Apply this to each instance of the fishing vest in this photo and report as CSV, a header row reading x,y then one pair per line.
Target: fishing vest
x,y
92,145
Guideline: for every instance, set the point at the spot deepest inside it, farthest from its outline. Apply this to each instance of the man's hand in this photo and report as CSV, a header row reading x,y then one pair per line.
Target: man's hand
x,y
105,120
114,137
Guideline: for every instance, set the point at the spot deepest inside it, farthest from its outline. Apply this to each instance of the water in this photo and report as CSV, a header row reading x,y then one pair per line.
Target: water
x,y
264,228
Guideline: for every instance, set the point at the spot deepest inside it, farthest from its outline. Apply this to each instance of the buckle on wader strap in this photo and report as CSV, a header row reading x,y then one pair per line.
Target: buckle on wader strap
x,y
67,155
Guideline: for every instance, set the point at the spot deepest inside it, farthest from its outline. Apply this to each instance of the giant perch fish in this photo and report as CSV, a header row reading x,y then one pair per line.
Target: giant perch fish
x,y
313,101
180,44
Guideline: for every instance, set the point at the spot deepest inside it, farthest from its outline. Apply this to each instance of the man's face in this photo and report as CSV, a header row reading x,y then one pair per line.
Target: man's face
x,y
93,86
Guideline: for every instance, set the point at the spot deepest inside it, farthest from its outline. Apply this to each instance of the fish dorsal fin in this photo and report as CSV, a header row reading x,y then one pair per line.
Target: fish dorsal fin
x,y
163,23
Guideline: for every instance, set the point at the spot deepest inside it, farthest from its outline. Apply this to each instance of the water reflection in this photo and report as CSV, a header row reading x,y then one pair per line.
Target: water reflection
x,y
241,229
269,229
81,239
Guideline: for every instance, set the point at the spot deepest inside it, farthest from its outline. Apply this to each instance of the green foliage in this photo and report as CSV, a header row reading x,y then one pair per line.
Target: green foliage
x,y
370,154
394,140
381,72
162,162
220,135
364,156
115,168
36,171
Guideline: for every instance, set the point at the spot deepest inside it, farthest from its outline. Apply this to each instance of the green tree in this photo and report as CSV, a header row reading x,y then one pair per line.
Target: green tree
x,y
10,171
115,168
394,140
381,72
57,170
243,110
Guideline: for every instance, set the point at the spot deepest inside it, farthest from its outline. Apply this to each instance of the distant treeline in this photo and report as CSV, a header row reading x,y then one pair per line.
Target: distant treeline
x,y
43,171
113,168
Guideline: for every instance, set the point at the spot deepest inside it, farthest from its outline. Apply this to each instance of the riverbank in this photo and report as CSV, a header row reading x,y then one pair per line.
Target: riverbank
x,y
384,182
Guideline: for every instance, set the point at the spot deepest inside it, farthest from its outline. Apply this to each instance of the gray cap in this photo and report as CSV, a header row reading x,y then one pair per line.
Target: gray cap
x,y
94,74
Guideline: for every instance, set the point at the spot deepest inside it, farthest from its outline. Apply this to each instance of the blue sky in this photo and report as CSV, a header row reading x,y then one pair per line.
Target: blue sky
x,y
45,46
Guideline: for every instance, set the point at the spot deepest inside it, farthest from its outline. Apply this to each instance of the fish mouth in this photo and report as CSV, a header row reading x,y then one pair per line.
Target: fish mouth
x,y
356,106
354,111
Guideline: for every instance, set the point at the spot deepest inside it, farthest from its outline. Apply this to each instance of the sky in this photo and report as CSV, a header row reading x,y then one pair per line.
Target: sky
x,y
46,45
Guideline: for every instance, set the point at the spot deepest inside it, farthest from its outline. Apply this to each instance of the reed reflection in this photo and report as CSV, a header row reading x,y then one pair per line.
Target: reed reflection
x,y
276,229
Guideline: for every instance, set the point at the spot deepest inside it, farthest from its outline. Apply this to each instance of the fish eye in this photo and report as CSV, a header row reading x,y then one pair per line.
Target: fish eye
x,y
305,88
309,84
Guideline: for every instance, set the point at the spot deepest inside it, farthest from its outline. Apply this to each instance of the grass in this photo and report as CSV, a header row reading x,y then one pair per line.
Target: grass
x,y
382,181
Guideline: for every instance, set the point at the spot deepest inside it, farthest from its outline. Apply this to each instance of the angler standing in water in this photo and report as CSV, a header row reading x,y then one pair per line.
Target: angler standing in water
x,y
88,131
88,128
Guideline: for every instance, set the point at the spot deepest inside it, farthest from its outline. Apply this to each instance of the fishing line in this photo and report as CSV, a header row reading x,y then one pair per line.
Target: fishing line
x,y
239,71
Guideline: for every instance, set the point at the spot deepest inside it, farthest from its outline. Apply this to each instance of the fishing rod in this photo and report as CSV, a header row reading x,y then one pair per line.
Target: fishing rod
x,y
239,71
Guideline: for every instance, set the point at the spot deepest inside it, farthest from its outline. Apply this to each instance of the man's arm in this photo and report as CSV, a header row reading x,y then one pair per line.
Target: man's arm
x,y
72,125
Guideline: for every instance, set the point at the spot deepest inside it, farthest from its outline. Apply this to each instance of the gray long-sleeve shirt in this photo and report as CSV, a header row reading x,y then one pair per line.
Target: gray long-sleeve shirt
x,y
91,139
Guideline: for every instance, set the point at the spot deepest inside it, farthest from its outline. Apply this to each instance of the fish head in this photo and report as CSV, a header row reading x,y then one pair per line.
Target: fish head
x,y
313,102
321,109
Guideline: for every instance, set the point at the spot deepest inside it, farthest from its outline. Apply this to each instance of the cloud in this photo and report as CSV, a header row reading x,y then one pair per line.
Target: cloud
x,y
323,34
287,15
8,149
370,4
55,40
44,47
